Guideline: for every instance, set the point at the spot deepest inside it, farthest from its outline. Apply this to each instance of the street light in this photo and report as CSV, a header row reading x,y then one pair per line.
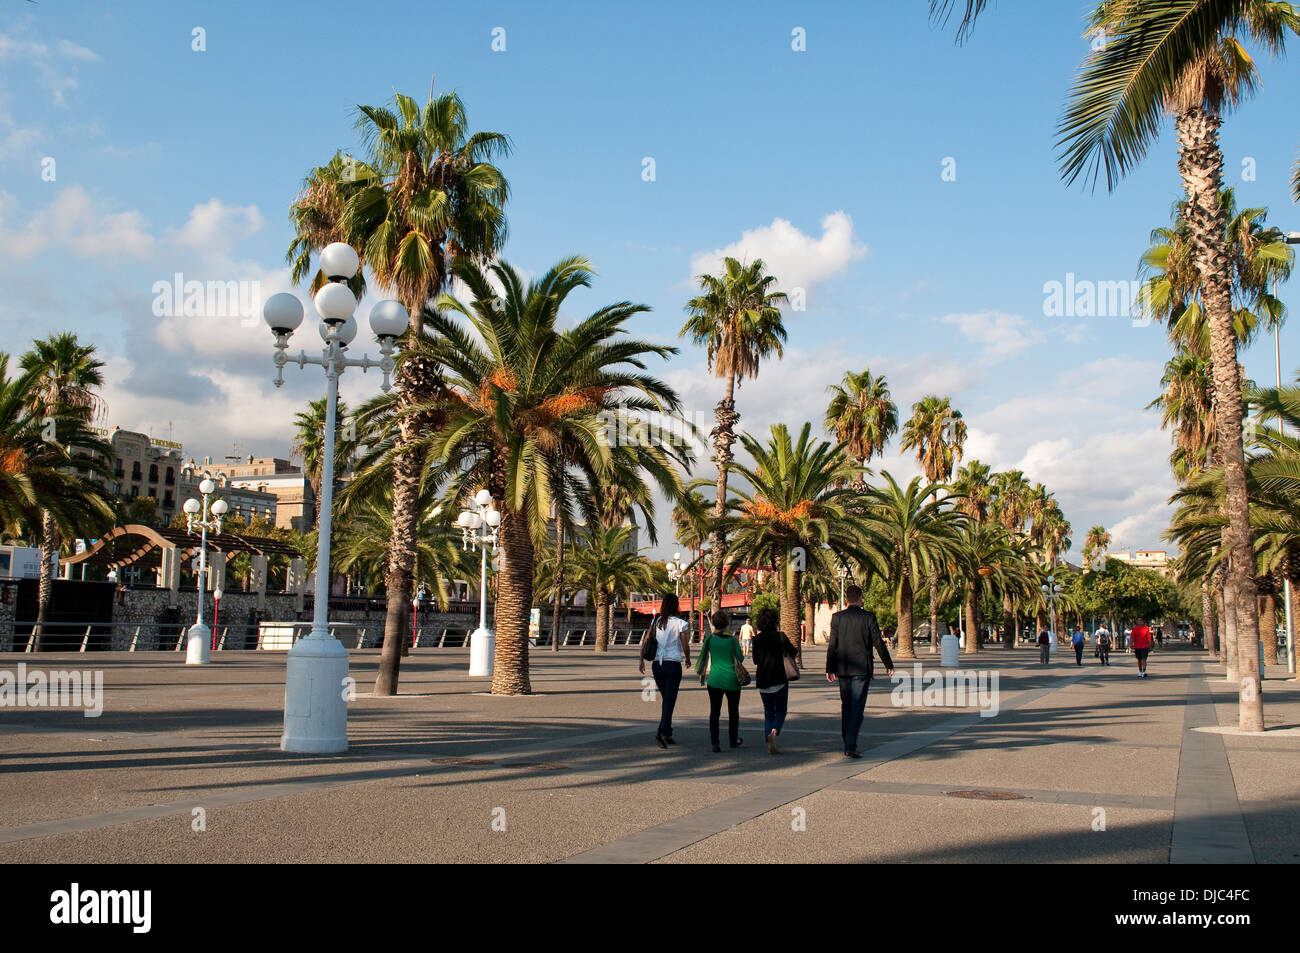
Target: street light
x,y
197,651
675,570
478,528
1051,592
315,709
842,571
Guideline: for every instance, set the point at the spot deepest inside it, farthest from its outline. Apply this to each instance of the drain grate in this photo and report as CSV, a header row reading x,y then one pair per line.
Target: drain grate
x,y
460,761
539,765
978,794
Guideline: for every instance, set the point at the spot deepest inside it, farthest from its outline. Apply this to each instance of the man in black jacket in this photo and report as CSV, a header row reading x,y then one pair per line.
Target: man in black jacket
x,y
854,632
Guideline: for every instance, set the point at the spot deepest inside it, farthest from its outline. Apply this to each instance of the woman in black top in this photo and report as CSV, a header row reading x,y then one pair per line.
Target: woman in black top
x,y
771,648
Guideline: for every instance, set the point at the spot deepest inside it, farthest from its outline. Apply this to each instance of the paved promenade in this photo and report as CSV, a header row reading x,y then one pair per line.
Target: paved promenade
x,y
1079,765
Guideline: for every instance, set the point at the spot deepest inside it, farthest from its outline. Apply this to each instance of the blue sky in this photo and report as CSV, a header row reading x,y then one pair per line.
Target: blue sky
x,y
828,162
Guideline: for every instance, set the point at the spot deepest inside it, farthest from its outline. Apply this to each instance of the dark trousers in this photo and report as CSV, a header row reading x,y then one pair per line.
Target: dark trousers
x,y
1078,654
715,713
1042,653
1104,655
668,679
853,705
774,708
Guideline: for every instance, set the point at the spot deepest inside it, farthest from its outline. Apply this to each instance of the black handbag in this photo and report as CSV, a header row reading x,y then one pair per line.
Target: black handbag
x,y
650,644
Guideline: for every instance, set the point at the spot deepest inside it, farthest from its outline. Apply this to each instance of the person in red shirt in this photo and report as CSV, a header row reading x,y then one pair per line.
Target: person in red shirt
x,y
1141,646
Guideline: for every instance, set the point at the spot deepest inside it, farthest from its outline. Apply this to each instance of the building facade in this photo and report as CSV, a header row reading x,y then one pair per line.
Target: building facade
x,y
295,506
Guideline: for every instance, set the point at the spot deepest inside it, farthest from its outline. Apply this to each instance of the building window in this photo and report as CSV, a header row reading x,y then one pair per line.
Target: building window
x,y
153,473
135,492
167,500
135,470
171,476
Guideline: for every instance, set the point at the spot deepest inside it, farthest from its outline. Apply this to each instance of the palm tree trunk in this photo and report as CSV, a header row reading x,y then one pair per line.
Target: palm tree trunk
x,y
49,546
399,579
972,623
1208,626
724,434
1010,624
602,620
791,606
513,604
810,620
1268,626
1200,163
905,649
559,586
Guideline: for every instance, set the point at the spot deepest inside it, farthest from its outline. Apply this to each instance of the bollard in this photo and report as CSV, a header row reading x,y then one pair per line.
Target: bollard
x,y
949,654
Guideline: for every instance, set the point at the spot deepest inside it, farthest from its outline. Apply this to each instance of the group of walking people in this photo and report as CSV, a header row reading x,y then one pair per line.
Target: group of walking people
x,y
1140,639
721,668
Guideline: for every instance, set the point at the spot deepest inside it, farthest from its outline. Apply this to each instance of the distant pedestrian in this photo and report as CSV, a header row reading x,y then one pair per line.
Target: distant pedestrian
x,y
1077,638
672,651
1103,645
747,639
854,633
1141,639
717,667
774,654
1044,637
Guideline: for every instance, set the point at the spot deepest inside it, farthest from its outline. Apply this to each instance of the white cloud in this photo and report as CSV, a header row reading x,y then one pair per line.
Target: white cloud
x,y
53,62
795,259
75,221
1000,335
215,227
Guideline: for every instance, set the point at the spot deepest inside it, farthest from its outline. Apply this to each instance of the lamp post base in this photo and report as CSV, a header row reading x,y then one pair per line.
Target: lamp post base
x,y
197,642
315,693
482,652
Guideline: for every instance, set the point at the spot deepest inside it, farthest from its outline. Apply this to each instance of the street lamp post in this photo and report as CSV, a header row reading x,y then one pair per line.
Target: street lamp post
x,y
842,571
216,615
315,706
1292,238
478,528
1051,592
675,569
197,650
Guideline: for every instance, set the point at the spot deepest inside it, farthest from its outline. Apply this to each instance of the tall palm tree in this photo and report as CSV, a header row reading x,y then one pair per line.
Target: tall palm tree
x,y
309,446
862,416
1096,542
937,432
66,376
737,318
1184,57
426,196
989,563
910,533
796,500
1011,492
973,488
525,402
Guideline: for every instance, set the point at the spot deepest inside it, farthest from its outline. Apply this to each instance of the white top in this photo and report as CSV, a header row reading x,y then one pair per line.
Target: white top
x,y
669,647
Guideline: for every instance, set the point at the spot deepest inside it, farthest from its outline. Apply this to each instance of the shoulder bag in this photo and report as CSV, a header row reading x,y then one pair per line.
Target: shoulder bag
x,y
650,644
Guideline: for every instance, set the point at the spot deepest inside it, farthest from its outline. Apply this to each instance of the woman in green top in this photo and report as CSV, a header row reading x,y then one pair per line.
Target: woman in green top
x,y
719,654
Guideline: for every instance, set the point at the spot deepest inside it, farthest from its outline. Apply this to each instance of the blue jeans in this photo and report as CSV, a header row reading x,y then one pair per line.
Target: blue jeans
x,y
668,678
774,707
853,705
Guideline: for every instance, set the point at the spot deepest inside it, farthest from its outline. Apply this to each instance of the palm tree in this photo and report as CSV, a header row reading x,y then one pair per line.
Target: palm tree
x,y
737,318
427,196
309,445
66,374
937,433
795,501
1011,492
973,488
526,402
862,416
989,564
1184,57
910,533
1096,542
604,566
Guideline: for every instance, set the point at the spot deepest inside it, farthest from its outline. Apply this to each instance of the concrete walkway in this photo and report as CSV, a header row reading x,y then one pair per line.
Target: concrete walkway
x,y
1079,765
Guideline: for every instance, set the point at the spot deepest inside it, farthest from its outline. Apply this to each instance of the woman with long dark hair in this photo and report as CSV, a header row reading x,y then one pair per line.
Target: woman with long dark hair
x,y
672,650
771,649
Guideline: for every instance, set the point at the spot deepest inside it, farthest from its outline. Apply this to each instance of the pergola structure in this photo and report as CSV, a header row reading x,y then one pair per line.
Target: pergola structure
x,y
141,546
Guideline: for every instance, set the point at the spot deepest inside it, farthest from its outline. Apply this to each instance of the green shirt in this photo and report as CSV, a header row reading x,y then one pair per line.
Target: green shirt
x,y
721,652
